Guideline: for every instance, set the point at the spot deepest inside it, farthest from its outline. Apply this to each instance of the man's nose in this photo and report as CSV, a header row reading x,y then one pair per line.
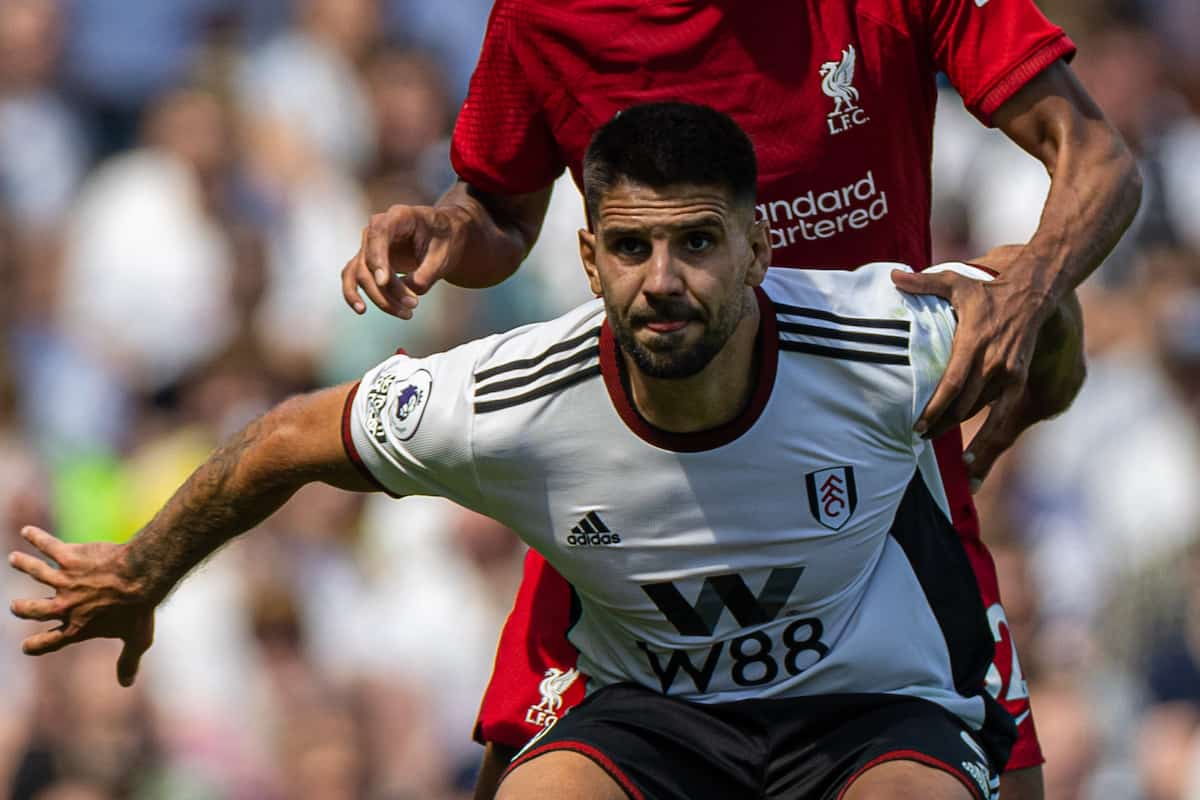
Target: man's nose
x,y
662,272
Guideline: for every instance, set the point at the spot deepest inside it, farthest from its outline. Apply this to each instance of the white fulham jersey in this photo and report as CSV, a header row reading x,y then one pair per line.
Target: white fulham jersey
x,y
802,548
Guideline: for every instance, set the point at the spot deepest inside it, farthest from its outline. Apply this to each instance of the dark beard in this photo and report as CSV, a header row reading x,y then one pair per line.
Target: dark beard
x,y
677,364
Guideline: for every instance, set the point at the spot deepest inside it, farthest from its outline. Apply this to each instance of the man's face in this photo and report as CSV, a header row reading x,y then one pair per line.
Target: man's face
x,y
673,267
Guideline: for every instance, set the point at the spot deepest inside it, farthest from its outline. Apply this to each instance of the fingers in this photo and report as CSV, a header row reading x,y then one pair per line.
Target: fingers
x,y
439,251
351,278
397,224
36,610
37,569
350,287
969,401
375,292
46,642
1003,425
940,284
373,272
51,545
131,654
958,378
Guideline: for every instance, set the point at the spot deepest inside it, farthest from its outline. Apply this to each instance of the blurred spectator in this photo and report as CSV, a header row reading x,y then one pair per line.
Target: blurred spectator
x,y
306,79
412,116
313,216
122,54
43,152
451,28
146,283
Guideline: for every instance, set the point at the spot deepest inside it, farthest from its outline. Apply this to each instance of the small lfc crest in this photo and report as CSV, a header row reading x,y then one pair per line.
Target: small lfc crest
x,y
832,495
557,681
837,82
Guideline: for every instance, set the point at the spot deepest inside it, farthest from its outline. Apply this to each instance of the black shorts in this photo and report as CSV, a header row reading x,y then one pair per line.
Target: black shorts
x,y
810,748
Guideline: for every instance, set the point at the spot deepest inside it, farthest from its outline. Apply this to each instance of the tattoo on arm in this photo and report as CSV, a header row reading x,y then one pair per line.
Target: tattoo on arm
x,y
234,490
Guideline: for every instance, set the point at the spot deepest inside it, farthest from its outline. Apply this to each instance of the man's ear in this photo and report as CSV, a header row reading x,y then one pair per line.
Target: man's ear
x,y
759,235
587,254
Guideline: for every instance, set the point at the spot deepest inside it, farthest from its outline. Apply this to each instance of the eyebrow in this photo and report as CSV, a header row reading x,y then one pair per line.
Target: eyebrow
x,y
707,220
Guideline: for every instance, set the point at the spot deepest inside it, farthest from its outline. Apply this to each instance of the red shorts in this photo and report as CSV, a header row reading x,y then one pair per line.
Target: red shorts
x,y
534,680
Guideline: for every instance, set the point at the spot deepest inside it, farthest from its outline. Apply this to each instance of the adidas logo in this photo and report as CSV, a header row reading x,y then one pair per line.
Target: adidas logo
x,y
592,532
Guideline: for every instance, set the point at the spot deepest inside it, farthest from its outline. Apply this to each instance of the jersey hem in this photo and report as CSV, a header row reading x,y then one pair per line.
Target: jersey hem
x,y
1014,80
1027,756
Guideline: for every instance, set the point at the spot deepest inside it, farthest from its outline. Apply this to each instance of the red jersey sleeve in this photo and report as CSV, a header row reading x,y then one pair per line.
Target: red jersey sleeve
x,y
502,142
992,48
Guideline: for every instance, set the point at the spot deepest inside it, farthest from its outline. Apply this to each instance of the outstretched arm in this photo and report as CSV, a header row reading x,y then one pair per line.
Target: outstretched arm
x,y
108,590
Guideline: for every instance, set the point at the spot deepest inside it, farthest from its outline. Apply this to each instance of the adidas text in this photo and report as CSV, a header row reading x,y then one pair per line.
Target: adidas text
x,y
593,540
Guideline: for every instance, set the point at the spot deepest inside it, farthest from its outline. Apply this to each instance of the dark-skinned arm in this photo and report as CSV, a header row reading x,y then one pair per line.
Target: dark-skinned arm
x,y
1095,189
109,590
468,237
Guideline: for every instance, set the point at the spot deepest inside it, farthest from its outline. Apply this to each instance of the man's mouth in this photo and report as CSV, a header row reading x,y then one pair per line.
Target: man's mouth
x,y
667,325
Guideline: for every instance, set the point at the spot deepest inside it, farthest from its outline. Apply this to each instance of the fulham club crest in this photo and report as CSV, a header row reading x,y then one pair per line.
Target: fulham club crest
x,y
832,495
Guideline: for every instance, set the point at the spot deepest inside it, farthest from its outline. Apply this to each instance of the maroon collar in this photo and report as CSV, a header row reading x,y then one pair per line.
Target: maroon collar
x,y
767,342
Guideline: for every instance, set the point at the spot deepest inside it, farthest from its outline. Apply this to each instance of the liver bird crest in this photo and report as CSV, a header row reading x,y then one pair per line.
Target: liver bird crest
x,y
553,685
836,77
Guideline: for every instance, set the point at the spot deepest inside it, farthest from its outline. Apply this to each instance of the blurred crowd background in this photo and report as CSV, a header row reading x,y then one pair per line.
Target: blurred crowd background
x,y
180,185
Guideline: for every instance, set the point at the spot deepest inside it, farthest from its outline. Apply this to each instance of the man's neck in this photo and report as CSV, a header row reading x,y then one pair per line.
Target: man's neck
x,y
708,399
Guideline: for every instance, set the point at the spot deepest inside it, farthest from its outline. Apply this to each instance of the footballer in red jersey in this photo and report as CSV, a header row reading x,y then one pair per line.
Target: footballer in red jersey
x,y
839,100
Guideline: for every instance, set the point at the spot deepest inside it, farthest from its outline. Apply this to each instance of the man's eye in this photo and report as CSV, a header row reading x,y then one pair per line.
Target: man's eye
x,y
699,242
629,246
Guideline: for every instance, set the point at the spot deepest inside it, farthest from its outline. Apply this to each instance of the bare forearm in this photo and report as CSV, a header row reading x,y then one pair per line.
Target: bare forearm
x,y
1094,195
501,231
242,483
1095,187
229,494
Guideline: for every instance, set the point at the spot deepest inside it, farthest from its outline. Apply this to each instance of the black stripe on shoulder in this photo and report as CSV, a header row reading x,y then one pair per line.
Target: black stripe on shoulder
x,y
543,390
522,363
847,355
829,316
834,333
547,369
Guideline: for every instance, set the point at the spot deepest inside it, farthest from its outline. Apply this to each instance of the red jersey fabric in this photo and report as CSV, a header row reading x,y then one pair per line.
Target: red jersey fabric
x,y
838,97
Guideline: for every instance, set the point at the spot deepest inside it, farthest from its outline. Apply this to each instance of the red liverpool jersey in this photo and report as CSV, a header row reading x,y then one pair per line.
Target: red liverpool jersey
x,y
837,95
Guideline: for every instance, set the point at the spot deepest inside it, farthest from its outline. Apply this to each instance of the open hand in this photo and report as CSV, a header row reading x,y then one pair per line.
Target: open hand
x,y
998,325
404,252
93,598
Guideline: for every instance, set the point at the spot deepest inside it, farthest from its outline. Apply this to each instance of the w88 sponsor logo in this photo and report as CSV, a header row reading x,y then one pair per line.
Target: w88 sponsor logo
x,y
755,659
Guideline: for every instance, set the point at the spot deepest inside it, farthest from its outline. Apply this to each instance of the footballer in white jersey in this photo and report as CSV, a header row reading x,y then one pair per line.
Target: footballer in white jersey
x,y
798,550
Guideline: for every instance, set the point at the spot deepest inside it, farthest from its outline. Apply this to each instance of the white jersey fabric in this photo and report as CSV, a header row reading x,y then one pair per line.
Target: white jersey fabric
x,y
799,549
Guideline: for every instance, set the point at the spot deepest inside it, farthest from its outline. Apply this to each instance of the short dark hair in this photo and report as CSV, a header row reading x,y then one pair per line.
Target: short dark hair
x,y
668,144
